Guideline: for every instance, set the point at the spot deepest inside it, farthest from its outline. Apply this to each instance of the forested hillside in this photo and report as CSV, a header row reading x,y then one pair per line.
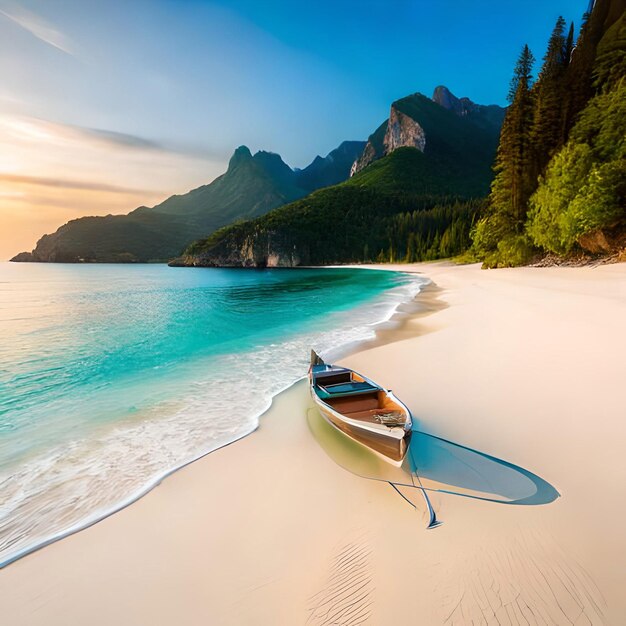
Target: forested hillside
x,y
560,184
413,203
251,186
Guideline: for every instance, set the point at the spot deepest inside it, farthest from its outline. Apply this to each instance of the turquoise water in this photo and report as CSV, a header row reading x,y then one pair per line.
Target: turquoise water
x,y
111,376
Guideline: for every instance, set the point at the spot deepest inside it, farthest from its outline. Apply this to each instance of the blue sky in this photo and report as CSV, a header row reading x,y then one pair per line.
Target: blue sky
x,y
121,103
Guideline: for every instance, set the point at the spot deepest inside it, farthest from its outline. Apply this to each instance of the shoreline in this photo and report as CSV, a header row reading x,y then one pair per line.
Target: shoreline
x,y
249,533
393,317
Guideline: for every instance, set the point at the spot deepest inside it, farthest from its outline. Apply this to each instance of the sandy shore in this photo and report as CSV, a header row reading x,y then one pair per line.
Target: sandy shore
x,y
526,365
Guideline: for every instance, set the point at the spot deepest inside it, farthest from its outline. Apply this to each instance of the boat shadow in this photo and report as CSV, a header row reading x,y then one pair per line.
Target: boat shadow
x,y
438,465
450,467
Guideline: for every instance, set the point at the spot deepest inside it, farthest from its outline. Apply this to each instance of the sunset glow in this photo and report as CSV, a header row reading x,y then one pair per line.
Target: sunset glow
x,y
108,106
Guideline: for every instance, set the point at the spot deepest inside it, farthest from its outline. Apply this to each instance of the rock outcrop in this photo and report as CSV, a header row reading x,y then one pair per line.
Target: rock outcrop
x,y
369,155
401,129
403,132
260,249
605,241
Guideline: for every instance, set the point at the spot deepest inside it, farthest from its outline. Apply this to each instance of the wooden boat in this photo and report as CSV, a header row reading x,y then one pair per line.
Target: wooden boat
x,y
361,409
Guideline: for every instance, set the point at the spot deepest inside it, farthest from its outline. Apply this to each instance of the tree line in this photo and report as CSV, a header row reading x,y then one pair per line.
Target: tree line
x,y
560,168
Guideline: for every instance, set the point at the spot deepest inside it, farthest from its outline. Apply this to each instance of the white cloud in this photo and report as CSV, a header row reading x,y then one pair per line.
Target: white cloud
x,y
37,27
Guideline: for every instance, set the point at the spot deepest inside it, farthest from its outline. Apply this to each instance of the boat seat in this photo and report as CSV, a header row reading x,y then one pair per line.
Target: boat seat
x,y
333,377
356,402
351,387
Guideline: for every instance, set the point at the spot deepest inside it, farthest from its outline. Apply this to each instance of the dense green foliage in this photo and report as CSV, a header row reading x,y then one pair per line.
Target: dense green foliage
x,y
387,212
406,206
610,63
584,187
497,237
437,233
113,239
560,166
412,172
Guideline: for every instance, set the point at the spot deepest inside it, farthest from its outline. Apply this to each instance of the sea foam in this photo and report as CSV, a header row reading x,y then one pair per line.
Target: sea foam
x,y
54,489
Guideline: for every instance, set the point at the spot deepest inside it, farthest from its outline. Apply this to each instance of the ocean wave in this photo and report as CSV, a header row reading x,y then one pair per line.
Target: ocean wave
x,y
66,488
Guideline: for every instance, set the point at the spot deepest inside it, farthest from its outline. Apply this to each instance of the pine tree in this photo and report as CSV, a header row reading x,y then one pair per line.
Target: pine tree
x,y
503,225
542,146
411,252
522,75
548,127
512,186
569,44
610,63
565,100
579,83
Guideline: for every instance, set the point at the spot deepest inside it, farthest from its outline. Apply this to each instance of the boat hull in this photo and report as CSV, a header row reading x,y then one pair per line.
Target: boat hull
x,y
391,445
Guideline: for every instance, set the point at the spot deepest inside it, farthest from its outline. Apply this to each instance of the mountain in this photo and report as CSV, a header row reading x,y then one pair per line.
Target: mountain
x,y
411,121
332,169
418,193
488,116
252,185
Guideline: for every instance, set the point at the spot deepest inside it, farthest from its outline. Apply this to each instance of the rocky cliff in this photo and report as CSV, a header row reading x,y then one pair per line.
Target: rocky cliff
x,y
260,249
403,129
400,131
418,200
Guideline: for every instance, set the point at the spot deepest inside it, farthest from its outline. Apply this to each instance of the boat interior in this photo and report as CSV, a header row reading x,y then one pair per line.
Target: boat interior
x,y
356,398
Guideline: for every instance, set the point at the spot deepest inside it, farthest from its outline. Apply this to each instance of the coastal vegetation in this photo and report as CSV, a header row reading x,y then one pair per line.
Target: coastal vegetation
x,y
349,224
434,181
407,205
560,184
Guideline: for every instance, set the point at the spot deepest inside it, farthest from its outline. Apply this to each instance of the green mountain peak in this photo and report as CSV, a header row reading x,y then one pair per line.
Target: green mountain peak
x,y
251,186
427,167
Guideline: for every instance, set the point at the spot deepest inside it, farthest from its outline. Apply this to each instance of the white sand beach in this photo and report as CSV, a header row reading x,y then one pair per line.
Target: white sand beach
x,y
527,365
